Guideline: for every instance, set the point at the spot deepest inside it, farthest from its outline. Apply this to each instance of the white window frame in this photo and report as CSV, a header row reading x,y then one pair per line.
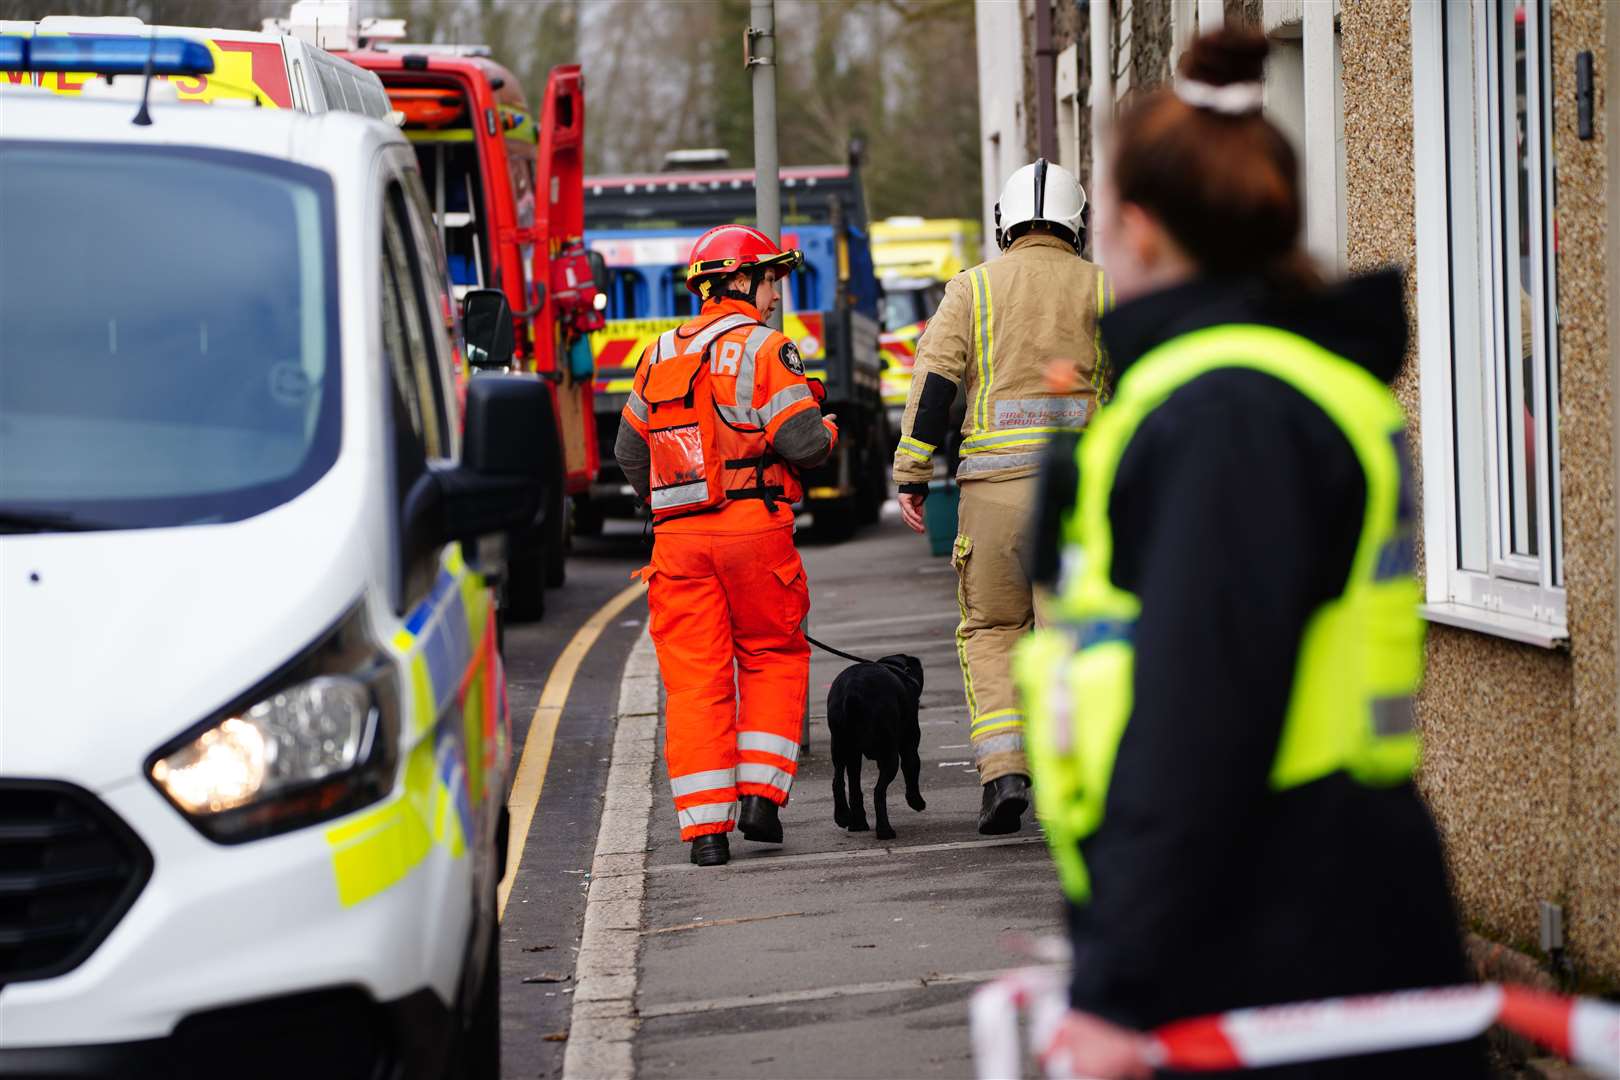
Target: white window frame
x,y
1467,263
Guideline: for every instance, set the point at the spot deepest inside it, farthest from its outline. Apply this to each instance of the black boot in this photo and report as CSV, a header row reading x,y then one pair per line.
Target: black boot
x,y
711,850
759,821
1005,800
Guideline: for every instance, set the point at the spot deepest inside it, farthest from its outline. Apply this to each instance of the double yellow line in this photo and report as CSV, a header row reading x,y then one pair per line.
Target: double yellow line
x,y
531,771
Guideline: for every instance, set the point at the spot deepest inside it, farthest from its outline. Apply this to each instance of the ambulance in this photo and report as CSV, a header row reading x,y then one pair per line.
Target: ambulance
x,y
254,736
269,70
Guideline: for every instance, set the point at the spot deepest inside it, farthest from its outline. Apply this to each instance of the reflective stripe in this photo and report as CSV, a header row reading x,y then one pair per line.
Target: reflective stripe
x,y
984,343
707,814
1001,742
637,406
1105,631
712,780
752,772
987,463
745,371
771,744
666,346
377,848
996,721
916,448
1042,413
708,334
1099,372
780,401
681,495
991,440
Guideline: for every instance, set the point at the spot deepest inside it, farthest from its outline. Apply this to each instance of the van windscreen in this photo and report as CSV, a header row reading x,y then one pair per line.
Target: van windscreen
x,y
168,335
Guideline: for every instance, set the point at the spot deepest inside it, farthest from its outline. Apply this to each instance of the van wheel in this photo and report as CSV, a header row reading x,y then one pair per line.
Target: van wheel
x,y
588,518
558,543
835,519
481,1055
525,577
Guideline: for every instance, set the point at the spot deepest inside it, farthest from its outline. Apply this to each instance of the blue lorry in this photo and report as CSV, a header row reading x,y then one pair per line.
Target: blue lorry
x,y
644,227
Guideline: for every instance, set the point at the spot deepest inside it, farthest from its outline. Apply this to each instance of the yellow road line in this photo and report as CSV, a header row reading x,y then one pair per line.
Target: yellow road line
x,y
531,771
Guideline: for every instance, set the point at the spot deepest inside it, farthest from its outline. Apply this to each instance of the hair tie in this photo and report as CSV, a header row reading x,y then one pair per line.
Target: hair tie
x,y
1233,99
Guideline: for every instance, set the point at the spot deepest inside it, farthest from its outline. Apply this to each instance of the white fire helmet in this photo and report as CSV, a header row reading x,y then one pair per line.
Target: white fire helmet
x,y
1044,193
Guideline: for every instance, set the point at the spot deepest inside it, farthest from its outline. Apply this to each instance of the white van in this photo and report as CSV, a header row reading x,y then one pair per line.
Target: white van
x,y
253,722
271,69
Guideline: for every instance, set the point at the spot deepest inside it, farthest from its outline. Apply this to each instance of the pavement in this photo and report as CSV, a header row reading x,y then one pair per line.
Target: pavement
x,y
834,955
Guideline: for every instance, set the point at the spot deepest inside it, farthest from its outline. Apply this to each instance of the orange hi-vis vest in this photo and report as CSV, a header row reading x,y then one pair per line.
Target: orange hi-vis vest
x,y
708,397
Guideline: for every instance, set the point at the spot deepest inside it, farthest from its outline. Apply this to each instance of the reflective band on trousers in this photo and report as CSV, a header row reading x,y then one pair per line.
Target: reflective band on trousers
x,y
979,464
770,744
712,780
752,772
707,814
1000,742
1001,719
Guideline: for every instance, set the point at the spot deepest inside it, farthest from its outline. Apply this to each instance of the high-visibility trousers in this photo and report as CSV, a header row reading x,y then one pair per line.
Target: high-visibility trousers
x,y
727,621
998,609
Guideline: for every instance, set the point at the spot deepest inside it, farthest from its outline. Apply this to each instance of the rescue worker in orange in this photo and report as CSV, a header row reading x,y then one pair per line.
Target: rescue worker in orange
x,y
718,424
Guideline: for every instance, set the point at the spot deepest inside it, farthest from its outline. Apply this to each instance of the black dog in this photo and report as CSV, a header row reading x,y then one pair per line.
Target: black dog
x,y
872,712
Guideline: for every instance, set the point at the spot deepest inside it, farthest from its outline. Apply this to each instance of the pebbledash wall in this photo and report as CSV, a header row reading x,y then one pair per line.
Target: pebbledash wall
x,y
1520,711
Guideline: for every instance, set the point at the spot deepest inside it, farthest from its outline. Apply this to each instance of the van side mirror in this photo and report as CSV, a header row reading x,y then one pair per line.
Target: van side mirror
x,y
486,321
599,271
505,469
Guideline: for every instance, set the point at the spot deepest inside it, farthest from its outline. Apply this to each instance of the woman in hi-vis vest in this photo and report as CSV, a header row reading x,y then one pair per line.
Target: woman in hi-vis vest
x,y
1220,718
717,426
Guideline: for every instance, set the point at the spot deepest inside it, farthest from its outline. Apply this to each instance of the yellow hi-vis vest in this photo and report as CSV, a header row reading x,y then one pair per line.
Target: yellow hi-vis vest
x,y
1361,657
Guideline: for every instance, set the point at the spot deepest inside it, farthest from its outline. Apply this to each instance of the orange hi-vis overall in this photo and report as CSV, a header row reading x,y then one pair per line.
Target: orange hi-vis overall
x,y
726,586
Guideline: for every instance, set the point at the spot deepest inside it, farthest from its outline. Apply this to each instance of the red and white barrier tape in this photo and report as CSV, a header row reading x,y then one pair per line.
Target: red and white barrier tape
x,y
1583,1030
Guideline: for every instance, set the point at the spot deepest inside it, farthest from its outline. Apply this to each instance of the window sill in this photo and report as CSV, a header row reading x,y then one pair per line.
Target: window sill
x,y
1498,624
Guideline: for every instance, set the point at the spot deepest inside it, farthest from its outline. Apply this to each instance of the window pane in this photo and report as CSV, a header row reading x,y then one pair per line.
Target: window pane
x,y
1518,393
145,380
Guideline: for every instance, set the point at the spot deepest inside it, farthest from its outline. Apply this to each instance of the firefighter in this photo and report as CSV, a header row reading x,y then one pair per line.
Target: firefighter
x,y
998,330
1221,712
718,424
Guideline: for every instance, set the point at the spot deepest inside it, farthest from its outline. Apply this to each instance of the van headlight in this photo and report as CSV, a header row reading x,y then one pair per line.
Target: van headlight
x,y
312,744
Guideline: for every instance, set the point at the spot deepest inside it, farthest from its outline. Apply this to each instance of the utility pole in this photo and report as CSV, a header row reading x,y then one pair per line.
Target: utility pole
x,y
761,59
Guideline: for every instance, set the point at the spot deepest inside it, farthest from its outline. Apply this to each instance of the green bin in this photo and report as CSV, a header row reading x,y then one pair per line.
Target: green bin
x,y
939,514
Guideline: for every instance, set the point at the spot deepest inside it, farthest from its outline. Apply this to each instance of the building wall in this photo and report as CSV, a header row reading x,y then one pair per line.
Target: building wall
x,y
998,25
1522,745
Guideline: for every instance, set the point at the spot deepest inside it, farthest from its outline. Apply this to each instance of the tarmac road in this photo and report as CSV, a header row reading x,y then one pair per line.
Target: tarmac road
x,y
540,930
836,955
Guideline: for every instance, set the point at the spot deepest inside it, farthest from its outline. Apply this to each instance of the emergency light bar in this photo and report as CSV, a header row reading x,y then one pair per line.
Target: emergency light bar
x,y
103,55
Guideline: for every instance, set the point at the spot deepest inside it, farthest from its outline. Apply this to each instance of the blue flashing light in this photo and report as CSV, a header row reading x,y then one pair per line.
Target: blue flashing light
x,y
102,55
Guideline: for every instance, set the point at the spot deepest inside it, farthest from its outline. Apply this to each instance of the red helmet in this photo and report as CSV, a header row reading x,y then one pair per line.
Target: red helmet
x,y
727,249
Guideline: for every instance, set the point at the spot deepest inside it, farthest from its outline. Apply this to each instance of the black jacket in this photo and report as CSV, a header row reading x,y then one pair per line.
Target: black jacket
x,y
1236,510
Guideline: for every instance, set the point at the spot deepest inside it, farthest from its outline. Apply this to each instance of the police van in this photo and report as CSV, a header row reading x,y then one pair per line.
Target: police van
x,y
253,722
268,69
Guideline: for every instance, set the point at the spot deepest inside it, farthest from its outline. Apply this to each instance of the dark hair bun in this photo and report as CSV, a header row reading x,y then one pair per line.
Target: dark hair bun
x,y
1229,55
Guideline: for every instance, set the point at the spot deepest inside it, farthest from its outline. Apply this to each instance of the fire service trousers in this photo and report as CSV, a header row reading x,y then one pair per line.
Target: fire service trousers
x,y
997,607
727,621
